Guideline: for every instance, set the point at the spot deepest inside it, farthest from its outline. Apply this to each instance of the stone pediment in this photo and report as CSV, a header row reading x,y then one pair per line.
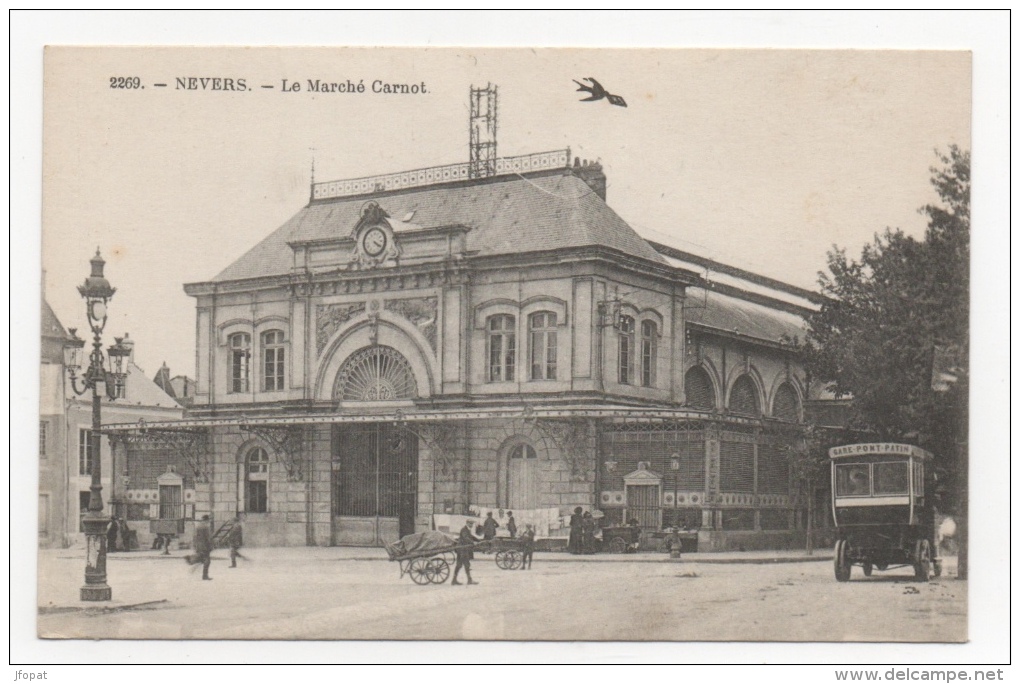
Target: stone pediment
x,y
642,476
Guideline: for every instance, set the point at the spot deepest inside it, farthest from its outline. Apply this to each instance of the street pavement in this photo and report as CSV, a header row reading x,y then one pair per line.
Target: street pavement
x,y
356,593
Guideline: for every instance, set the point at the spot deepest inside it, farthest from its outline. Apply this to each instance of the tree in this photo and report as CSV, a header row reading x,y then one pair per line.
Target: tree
x,y
887,317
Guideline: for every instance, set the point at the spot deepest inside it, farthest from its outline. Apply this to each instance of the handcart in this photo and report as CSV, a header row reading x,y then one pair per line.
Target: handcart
x,y
425,556
621,539
509,554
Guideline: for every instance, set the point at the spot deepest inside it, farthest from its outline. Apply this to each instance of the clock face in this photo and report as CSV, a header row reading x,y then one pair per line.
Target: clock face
x,y
374,242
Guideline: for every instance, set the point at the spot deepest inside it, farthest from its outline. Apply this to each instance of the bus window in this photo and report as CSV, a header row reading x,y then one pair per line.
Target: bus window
x,y
891,478
853,480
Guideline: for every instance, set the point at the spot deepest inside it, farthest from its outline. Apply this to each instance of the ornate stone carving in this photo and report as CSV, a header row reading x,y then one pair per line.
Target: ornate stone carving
x,y
287,442
329,318
421,311
574,440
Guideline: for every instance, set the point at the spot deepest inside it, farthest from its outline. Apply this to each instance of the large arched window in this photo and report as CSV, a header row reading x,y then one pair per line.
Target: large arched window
x,y
240,361
542,327
744,397
376,374
256,481
626,350
502,345
648,338
699,390
522,477
272,360
786,405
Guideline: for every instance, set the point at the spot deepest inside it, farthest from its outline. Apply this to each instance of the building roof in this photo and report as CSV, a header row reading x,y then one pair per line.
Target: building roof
x,y
51,327
735,316
510,214
162,380
140,391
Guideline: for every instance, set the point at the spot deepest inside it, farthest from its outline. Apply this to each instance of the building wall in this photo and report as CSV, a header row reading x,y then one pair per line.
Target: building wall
x,y
53,475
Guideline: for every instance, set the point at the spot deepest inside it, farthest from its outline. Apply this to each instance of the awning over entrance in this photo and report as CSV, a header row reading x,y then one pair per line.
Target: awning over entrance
x,y
416,415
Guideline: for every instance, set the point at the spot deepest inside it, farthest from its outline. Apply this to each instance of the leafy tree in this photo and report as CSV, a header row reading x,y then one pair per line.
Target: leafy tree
x,y
891,320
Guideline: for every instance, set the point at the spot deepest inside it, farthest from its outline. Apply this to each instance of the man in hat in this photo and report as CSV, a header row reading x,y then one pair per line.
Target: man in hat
x,y
465,553
203,545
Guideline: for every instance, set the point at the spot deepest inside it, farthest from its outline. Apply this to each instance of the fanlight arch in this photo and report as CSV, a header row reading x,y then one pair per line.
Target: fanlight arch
x,y
786,404
377,373
744,397
699,389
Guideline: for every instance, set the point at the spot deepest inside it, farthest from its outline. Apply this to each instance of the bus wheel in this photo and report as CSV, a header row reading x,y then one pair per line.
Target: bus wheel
x,y
841,561
867,569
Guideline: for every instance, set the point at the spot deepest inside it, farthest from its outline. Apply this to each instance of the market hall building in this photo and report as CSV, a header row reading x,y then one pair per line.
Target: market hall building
x,y
426,342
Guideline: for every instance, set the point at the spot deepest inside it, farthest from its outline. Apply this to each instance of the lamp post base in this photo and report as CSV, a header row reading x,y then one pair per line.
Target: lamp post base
x,y
96,592
95,587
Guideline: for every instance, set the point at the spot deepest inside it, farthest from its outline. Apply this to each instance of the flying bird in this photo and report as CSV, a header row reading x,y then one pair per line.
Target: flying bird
x,y
598,92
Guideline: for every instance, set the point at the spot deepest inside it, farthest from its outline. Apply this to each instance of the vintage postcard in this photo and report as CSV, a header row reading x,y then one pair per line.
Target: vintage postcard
x,y
503,344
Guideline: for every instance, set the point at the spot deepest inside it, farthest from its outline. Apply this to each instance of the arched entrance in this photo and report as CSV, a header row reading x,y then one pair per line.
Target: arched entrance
x,y
522,472
374,465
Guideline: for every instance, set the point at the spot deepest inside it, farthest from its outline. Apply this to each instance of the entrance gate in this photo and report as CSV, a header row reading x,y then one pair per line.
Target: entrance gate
x,y
375,484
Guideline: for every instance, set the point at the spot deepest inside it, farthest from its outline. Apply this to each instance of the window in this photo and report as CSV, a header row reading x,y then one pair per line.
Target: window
x,y
240,359
786,405
256,481
648,335
744,397
891,478
626,350
502,341
272,360
524,451
698,389
85,454
42,438
853,480
543,345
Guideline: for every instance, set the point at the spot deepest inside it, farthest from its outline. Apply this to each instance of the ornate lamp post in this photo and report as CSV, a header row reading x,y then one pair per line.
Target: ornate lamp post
x,y
96,292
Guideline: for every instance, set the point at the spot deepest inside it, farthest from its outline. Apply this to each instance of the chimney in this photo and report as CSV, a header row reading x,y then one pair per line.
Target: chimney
x,y
591,173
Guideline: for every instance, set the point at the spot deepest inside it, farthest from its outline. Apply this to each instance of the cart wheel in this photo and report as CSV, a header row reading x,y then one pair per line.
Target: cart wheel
x,y
503,560
419,571
841,561
515,559
867,569
438,570
922,561
618,545
882,566
937,566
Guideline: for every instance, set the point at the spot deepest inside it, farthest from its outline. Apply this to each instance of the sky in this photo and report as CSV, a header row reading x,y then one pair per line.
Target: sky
x,y
762,159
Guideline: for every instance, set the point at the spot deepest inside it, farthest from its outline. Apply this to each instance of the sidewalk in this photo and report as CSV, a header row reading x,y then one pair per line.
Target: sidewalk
x,y
358,553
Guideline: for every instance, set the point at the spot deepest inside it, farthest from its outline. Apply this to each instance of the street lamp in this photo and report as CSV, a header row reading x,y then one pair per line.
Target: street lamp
x,y
96,292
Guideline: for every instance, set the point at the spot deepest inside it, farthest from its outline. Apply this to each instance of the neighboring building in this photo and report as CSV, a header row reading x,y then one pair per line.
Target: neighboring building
x,y
180,387
65,452
424,342
53,473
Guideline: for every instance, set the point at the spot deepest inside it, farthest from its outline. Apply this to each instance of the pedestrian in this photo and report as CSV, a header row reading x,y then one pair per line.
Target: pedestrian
x,y
511,524
489,527
203,545
464,553
527,546
112,530
235,538
574,541
587,533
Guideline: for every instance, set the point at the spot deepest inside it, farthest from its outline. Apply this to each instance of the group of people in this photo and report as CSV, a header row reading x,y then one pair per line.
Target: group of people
x,y
582,532
467,539
203,543
118,527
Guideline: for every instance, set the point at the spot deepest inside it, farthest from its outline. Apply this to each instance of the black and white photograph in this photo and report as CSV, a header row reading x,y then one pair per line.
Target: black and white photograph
x,y
508,345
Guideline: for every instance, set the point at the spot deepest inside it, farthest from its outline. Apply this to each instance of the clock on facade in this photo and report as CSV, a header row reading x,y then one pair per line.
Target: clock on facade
x,y
374,241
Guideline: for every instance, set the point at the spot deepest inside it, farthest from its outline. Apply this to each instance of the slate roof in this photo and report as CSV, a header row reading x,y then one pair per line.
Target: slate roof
x,y
51,326
140,391
506,214
738,316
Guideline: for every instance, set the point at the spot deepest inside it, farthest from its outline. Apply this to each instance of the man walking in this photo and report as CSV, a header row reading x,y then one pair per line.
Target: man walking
x,y
235,538
464,553
203,545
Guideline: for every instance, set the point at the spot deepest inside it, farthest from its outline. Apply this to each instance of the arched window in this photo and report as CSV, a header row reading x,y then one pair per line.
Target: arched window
x,y
523,451
699,390
240,361
376,374
256,481
786,405
522,478
272,360
648,338
744,397
502,344
542,326
626,345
